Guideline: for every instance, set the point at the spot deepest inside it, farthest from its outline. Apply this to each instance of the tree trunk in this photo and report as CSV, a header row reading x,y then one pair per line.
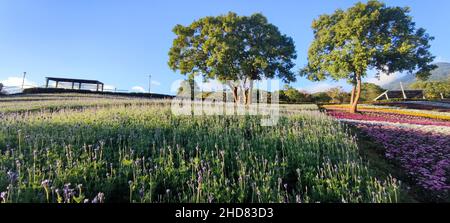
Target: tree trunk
x,y
235,94
354,107
192,86
353,95
249,93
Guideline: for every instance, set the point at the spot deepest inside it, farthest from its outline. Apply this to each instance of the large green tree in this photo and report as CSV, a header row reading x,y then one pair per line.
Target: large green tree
x,y
235,50
368,36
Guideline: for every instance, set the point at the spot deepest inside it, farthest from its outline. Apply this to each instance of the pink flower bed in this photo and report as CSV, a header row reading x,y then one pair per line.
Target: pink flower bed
x,y
386,117
424,156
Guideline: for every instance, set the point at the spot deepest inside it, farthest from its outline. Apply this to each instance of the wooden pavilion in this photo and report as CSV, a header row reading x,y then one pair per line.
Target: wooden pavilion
x,y
75,82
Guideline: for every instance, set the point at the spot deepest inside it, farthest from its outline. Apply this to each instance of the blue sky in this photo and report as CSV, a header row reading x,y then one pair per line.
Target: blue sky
x,y
120,42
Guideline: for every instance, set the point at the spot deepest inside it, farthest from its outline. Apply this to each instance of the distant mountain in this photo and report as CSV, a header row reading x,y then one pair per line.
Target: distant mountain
x,y
440,73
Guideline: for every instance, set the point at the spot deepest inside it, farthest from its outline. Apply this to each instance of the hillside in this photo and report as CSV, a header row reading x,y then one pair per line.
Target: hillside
x,y
441,73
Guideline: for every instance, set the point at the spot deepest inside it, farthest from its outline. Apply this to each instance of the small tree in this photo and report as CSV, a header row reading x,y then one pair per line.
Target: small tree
x,y
293,95
370,91
321,98
233,49
366,37
337,95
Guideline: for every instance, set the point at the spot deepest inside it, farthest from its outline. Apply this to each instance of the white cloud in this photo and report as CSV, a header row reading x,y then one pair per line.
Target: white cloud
x,y
138,89
385,79
17,82
319,87
440,59
14,84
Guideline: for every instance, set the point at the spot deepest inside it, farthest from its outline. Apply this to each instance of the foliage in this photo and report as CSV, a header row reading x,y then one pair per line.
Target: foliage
x,y
337,95
292,95
321,98
433,89
232,48
370,91
364,37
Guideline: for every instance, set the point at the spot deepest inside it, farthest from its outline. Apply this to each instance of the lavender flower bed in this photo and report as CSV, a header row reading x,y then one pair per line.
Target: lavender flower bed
x,y
425,156
386,117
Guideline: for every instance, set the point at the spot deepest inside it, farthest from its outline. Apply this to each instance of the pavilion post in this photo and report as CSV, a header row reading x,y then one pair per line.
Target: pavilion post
x,y
79,86
57,82
103,86
46,83
73,85
403,91
97,87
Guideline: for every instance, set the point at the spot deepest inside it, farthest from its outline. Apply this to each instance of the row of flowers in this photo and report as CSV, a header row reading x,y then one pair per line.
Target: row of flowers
x,y
424,156
388,117
439,107
416,140
393,110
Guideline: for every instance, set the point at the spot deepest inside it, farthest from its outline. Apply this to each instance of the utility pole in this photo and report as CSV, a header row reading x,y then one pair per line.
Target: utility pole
x,y
149,84
23,79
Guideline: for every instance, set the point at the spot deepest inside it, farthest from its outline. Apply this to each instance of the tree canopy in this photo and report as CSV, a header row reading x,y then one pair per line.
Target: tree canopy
x,y
233,49
337,95
434,89
292,95
367,36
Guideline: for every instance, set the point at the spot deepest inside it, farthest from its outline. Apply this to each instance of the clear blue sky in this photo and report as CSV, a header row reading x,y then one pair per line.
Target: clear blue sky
x,y
121,42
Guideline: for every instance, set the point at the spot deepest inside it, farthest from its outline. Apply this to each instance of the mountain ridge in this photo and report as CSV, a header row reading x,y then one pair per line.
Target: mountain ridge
x,y
440,73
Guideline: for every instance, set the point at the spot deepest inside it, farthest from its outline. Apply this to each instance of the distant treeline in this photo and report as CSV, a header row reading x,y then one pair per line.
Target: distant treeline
x,y
336,95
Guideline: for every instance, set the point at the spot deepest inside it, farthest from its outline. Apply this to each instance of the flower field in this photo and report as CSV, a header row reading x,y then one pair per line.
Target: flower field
x,y
419,145
138,151
394,110
422,105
